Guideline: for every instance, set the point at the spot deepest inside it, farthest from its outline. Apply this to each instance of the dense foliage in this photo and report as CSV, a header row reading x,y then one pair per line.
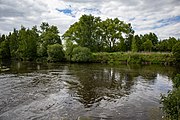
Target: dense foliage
x,y
133,58
109,35
29,44
171,102
176,51
55,52
81,54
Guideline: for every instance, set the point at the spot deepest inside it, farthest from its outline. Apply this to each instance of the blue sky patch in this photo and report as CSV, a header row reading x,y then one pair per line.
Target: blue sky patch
x,y
65,11
168,21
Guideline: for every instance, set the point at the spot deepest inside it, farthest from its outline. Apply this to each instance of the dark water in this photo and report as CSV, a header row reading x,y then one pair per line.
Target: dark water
x,y
36,91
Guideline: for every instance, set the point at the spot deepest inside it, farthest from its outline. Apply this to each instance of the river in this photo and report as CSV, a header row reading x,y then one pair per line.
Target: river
x,y
61,91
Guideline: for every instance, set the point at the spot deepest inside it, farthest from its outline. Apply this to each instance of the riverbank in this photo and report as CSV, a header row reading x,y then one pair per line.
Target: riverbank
x,y
134,58
120,58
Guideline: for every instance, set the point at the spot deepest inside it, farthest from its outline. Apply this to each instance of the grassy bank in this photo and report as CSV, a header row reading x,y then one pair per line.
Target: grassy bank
x,y
133,58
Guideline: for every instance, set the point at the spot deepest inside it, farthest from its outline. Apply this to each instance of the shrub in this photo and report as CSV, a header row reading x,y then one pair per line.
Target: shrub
x,y
55,52
176,81
81,54
171,103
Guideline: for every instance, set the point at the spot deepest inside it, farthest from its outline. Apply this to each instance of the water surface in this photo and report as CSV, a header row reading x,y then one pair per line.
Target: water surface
x,y
59,91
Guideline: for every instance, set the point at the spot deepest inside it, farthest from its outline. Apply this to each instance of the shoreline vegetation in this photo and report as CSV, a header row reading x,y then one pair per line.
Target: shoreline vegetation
x,y
89,40
134,58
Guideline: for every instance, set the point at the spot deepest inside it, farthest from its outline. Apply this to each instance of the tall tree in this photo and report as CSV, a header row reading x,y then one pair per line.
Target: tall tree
x,y
134,47
2,38
166,45
153,38
115,34
4,48
13,39
27,49
85,32
99,35
49,36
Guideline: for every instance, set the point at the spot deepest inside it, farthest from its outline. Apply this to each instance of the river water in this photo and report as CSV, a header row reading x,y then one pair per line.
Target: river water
x,y
60,91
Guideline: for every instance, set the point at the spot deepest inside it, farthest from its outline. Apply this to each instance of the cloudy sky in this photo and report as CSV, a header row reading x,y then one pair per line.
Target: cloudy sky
x,y
159,16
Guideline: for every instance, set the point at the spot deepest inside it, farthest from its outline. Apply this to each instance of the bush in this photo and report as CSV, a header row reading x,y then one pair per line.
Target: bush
x,y
81,54
176,81
55,52
176,51
171,103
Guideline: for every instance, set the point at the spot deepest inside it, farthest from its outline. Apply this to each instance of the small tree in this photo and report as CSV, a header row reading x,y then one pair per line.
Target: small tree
x,y
55,52
81,54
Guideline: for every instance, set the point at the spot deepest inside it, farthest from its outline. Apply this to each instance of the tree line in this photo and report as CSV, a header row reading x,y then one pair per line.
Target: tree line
x,y
89,34
30,44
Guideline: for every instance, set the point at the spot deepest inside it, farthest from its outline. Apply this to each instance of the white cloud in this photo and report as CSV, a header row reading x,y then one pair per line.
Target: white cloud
x,y
143,14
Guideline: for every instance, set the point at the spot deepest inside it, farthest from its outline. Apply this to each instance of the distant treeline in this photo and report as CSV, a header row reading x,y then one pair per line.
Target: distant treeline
x,y
89,35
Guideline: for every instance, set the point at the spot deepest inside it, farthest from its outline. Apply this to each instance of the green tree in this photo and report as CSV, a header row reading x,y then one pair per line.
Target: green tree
x,y
147,45
55,52
113,31
84,32
99,35
162,46
134,46
176,51
171,42
69,49
49,36
143,38
138,42
129,40
4,48
166,45
153,38
27,48
13,39
2,38
44,27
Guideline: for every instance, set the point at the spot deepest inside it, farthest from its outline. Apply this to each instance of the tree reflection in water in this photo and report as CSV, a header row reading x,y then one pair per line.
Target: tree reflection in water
x,y
96,83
